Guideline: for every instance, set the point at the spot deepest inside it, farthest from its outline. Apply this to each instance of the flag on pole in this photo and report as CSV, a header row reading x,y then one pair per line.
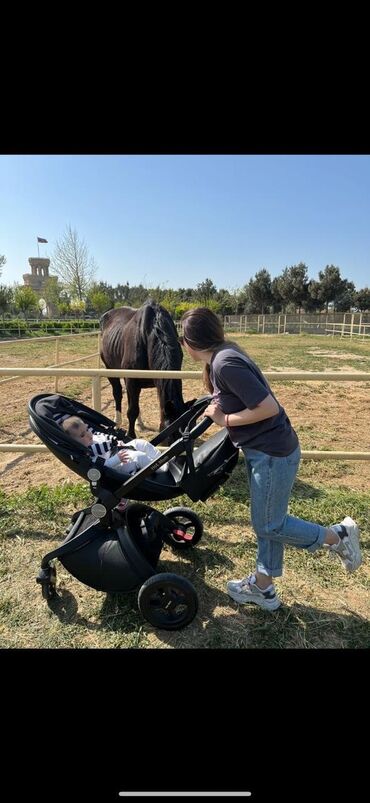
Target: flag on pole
x,y
41,240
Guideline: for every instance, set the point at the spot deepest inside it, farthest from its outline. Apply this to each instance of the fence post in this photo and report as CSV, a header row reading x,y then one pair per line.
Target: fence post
x,y
359,327
96,394
258,324
352,319
300,322
343,324
284,324
56,361
263,324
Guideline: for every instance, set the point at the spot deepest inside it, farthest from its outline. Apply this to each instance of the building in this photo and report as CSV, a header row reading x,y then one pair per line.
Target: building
x,y
38,278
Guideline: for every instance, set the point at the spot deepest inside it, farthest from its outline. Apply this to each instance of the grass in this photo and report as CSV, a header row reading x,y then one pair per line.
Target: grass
x,y
323,607
301,352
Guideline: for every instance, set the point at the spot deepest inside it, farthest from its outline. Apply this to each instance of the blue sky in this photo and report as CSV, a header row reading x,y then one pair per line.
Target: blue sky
x,y
174,221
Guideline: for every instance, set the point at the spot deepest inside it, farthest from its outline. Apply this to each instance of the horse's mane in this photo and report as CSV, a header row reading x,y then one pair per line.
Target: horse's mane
x,y
159,331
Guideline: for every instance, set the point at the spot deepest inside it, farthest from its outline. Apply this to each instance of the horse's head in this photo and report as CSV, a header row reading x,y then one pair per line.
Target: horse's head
x,y
171,413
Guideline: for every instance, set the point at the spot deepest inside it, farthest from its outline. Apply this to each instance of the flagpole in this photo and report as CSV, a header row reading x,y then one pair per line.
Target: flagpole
x,y
38,250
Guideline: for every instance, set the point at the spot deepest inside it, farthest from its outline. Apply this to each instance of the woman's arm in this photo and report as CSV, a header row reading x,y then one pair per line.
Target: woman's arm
x,y
265,409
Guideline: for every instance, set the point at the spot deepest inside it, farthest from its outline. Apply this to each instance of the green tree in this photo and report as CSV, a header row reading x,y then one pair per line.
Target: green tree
x,y
225,302
120,295
345,300
137,296
258,291
64,308
361,299
25,299
103,287
2,262
182,307
205,291
186,294
52,291
331,284
170,300
77,306
277,303
72,262
314,301
238,299
6,298
99,301
292,285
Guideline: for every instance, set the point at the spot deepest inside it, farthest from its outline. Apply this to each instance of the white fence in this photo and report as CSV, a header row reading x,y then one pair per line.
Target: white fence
x,y
312,323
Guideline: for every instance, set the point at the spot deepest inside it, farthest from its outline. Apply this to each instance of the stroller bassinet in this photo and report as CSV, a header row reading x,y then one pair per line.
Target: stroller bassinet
x,y
117,552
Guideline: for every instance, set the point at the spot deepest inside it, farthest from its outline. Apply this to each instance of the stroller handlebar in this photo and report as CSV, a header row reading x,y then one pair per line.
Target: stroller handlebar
x,y
201,427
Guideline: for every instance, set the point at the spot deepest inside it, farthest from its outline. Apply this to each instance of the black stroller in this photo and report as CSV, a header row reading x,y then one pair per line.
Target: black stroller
x,y
115,551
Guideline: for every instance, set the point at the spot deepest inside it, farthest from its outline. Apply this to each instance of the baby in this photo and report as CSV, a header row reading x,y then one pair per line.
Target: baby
x,y
99,445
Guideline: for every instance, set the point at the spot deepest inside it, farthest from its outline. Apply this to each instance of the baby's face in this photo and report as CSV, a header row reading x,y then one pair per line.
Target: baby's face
x,y
81,434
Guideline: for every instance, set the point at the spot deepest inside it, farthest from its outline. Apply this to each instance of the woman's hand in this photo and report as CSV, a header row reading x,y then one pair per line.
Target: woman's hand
x,y
214,411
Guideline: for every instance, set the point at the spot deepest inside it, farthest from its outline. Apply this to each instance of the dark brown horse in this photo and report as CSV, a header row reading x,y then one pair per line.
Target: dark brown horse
x,y
144,338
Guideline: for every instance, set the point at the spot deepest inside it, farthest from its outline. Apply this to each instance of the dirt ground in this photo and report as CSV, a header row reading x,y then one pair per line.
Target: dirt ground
x,y
325,415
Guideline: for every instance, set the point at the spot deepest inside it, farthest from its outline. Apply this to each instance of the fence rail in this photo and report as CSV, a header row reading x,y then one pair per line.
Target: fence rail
x,y
97,373
340,329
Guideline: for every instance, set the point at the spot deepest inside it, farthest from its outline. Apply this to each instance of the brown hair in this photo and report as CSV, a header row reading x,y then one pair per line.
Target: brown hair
x,y
203,331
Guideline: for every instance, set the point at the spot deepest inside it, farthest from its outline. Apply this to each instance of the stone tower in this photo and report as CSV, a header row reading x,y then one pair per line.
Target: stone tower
x,y
38,278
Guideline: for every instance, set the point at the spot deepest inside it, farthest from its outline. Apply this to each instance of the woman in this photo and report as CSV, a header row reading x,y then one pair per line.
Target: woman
x,y
245,404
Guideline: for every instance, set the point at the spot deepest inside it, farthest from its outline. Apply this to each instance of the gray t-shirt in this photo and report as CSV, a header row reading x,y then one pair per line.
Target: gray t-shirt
x,y
238,383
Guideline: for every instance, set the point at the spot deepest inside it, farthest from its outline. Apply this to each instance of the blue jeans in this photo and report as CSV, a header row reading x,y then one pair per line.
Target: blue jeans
x,y
270,482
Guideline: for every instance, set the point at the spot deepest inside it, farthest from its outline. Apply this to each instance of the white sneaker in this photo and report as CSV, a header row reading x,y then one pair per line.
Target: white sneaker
x,y
246,590
348,548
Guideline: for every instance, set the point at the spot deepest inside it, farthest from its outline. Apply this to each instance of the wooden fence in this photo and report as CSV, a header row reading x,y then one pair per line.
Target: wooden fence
x,y
57,364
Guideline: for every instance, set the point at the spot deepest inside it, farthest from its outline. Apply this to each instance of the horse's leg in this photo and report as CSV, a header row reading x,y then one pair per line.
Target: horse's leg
x,y
133,410
117,395
140,422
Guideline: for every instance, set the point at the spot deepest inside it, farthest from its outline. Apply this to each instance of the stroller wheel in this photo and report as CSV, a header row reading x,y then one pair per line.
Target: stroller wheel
x,y
185,529
48,591
168,601
47,579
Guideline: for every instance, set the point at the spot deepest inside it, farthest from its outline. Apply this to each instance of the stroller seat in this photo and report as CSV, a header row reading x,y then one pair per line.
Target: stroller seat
x,y
194,471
